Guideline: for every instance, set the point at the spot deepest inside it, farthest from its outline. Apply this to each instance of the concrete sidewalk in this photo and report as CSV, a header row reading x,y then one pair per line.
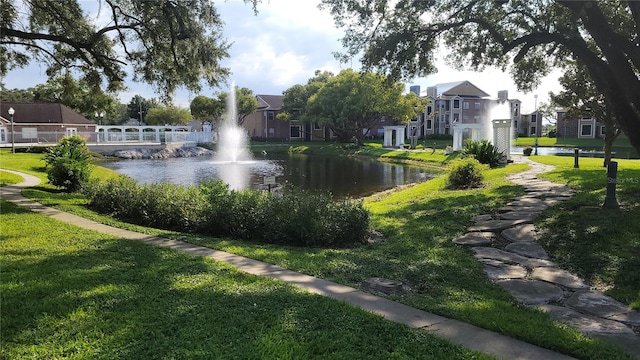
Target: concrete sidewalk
x,y
469,336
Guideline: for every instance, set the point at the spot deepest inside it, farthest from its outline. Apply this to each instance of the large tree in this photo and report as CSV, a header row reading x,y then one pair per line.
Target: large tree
x,y
296,97
139,107
581,97
400,38
351,103
168,115
246,103
166,43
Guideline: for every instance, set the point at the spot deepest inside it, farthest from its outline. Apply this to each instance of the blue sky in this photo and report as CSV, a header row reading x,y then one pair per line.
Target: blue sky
x,y
282,46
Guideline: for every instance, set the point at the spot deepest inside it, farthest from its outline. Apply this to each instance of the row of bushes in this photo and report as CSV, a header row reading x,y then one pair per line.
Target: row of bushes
x,y
292,216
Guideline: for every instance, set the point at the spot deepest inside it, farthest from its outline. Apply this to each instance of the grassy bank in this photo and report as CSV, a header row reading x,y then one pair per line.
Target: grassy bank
x,y
418,224
427,156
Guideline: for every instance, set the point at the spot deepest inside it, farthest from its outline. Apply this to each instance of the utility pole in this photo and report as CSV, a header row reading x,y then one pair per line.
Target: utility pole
x,y
140,112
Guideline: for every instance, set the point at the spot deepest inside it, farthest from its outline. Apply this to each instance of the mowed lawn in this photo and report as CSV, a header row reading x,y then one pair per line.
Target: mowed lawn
x,y
67,292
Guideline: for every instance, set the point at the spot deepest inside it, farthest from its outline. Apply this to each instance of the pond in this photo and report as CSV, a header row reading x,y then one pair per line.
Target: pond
x,y
342,176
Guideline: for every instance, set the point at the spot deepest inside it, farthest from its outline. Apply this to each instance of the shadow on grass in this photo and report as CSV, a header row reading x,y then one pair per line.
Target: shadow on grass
x,y
600,245
97,296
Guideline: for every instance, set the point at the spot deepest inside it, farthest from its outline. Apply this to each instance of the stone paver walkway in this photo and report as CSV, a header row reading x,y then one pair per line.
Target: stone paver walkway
x,y
523,268
457,332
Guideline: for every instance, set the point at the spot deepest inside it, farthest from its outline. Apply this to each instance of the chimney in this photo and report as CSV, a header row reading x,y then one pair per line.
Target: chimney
x,y
415,89
432,91
503,95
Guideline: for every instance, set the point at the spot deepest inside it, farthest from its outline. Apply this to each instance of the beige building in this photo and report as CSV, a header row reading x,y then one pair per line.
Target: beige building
x,y
461,102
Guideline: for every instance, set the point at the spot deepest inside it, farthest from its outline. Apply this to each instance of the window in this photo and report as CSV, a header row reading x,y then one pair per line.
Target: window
x,y
515,124
476,119
270,115
429,124
316,126
515,112
295,131
476,106
465,105
456,104
533,130
429,110
585,130
534,118
456,117
602,130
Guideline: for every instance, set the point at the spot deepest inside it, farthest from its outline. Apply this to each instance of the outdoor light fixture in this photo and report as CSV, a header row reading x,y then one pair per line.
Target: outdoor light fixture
x,y
537,122
100,116
13,144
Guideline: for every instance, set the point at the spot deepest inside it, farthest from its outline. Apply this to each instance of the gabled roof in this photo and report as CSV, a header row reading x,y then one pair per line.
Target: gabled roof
x,y
460,88
270,102
44,113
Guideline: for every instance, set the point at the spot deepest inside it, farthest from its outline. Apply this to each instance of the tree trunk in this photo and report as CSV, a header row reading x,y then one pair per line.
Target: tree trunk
x,y
614,75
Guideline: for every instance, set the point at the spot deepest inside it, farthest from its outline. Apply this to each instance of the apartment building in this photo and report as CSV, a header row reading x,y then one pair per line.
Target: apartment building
x,y
461,102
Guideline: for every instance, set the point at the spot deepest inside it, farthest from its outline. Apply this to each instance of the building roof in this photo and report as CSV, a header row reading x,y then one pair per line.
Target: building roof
x,y
459,88
42,113
270,102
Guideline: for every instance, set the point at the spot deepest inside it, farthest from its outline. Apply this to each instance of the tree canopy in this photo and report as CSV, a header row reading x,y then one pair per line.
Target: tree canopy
x,y
531,37
204,108
64,89
351,103
166,43
296,97
168,115
581,97
139,107
247,103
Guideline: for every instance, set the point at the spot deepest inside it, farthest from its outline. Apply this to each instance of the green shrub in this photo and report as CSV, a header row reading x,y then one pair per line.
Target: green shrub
x,y
464,173
483,151
292,216
68,163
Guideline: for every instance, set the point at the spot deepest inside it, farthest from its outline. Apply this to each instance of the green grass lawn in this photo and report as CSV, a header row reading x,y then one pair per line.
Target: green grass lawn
x,y
67,292
601,245
621,145
418,223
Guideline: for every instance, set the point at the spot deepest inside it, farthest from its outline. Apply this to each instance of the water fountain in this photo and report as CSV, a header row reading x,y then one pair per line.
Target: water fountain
x,y
232,140
233,158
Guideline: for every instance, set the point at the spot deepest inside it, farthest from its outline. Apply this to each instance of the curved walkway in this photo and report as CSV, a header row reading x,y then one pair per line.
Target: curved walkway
x,y
469,336
506,244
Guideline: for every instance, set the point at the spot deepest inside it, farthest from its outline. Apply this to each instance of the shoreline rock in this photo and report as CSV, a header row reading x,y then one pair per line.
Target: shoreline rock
x,y
165,153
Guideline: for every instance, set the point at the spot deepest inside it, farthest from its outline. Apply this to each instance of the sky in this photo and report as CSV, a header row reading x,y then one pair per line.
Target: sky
x,y
283,45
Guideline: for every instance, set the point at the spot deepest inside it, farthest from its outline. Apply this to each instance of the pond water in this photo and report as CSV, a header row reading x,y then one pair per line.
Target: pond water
x,y
342,176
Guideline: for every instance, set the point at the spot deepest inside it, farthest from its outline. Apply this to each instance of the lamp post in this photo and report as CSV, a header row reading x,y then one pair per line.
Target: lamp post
x,y
13,143
535,97
99,116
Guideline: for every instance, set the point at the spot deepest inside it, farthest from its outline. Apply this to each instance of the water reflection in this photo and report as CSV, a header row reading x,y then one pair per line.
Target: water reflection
x,y
342,176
